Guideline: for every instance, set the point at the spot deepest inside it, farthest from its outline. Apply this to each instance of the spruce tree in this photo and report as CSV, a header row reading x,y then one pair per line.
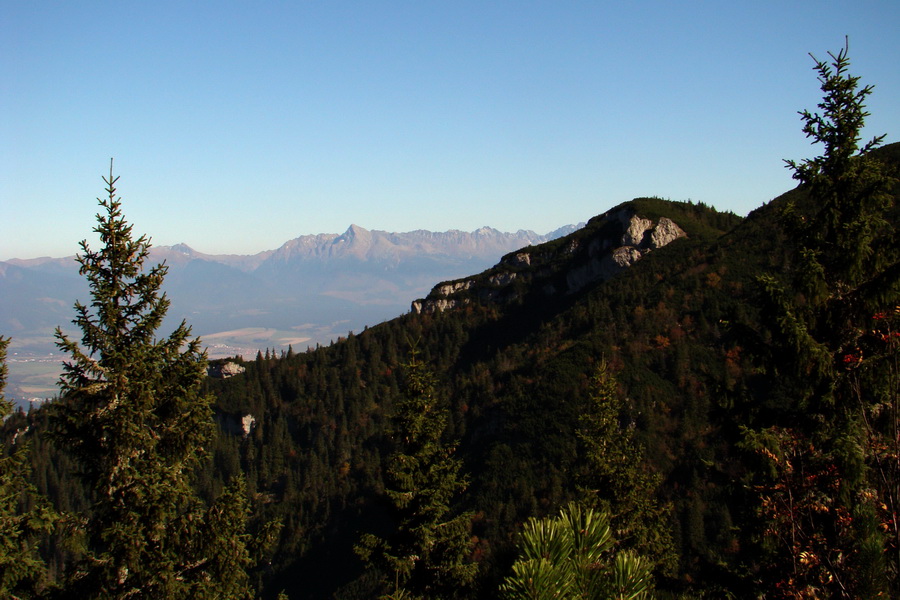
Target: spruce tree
x,y
846,266
132,415
825,498
616,478
428,553
24,515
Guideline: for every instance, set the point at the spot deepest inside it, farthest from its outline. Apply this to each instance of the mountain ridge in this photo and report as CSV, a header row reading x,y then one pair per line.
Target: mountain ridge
x,y
317,244
311,289
609,244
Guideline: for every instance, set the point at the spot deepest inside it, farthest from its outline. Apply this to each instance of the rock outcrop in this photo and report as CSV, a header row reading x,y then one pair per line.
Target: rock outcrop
x,y
247,423
608,245
225,370
240,424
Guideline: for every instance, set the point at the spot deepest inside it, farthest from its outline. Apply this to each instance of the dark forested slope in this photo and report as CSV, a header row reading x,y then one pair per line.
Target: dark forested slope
x,y
514,366
684,328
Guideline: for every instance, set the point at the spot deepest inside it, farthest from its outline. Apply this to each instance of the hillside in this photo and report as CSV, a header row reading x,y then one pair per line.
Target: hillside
x,y
514,371
687,330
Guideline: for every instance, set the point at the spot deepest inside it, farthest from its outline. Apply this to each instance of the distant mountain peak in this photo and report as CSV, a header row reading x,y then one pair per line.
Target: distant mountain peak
x,y
355,233
177,254
355,230
183,249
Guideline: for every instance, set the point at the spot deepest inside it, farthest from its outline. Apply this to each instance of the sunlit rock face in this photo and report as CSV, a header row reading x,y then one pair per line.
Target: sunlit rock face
x,y
565,268
225,370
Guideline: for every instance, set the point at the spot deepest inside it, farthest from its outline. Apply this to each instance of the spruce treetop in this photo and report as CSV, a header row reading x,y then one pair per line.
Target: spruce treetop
x,y
850,189
839,127
133,415
127,305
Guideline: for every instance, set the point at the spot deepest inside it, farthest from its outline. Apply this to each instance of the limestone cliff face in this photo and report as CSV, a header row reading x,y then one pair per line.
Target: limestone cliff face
x,y
225,370
609,244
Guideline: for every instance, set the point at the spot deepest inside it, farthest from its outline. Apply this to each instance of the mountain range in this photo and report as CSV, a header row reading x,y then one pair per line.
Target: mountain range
x,y
310,290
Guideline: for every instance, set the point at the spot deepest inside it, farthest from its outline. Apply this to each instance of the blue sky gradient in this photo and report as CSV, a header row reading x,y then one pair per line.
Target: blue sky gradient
x,y
236,126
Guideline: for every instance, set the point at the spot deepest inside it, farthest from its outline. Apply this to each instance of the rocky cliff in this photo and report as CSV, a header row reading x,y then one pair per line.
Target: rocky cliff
x,y
608,244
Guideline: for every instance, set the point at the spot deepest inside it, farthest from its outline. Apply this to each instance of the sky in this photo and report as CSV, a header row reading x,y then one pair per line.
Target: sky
x,y
236,126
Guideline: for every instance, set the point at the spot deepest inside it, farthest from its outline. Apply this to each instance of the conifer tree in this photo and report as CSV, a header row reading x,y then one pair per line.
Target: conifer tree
x,y
572,557
820,481
846,267
428,553
21,568
616,479
132,416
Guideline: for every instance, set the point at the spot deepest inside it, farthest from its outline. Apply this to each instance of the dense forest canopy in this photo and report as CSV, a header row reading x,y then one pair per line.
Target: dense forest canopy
x,y
718,417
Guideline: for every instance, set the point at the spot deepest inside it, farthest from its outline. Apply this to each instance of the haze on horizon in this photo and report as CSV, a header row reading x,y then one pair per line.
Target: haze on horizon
x,y
236,128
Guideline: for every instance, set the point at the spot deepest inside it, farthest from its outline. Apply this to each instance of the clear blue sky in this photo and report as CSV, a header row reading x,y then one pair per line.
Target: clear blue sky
x,y
236,126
